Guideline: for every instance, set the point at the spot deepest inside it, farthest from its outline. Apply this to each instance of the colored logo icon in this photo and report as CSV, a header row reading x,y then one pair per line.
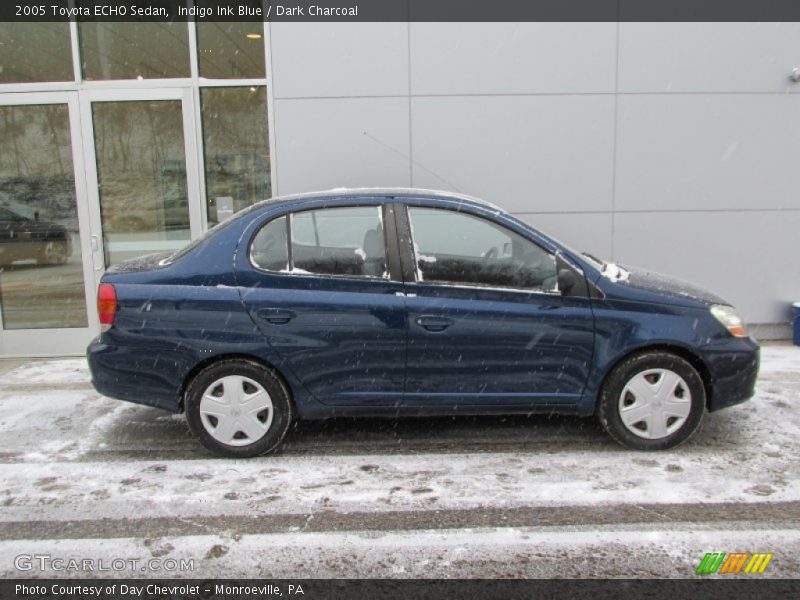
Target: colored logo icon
x,y
733,563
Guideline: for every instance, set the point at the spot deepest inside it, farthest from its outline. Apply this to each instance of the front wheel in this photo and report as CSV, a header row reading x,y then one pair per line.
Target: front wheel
x,y
238,408
652,401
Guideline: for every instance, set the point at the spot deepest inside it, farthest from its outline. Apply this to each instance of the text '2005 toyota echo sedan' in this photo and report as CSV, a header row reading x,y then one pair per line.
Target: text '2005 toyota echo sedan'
x,y
407,303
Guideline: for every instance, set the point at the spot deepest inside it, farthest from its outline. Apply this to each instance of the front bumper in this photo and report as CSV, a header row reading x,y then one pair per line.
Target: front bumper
x,y
733,370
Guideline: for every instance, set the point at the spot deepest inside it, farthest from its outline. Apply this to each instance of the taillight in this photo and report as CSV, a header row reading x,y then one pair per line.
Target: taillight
x,y
106,305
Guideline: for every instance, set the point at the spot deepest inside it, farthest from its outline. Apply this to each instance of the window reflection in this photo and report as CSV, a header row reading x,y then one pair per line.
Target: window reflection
x,y
141,172
236,149
35,52
134,50
41,274
227,50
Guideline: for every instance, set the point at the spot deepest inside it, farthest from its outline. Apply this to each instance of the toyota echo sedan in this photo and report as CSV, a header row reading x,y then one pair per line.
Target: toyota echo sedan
x,y
405,302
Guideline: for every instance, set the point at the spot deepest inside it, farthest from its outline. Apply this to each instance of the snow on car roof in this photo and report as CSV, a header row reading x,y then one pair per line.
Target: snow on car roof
x,y
389,191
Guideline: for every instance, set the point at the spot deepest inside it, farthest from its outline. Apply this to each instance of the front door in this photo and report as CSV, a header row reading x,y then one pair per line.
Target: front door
x,y
47,292
142,172
486,323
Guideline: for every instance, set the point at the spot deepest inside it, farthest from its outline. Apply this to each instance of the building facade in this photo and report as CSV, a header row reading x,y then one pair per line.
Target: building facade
x,y
668,146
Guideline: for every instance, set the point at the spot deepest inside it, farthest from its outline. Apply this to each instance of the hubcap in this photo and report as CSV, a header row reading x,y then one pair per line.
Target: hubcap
x,y
655,403
236,410
54,252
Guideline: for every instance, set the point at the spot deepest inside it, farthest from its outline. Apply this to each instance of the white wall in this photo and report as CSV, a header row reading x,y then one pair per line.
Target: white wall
x,y
674,146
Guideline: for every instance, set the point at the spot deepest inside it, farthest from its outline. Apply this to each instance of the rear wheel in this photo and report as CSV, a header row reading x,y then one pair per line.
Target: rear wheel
x,y
652,401
54,252
238,408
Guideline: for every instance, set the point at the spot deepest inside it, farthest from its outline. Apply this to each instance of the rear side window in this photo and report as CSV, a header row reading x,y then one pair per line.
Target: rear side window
x,y
339,241
457,248
347,241
269,249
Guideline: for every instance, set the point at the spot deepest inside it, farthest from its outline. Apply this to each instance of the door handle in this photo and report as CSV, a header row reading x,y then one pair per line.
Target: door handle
x,y
432,323
276,316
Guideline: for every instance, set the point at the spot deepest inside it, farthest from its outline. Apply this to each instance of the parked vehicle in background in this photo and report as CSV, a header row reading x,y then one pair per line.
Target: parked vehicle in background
x,y
25,238
406,303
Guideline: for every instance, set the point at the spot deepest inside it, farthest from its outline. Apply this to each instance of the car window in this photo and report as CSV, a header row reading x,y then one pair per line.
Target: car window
x,y
269,249
457,248
345,241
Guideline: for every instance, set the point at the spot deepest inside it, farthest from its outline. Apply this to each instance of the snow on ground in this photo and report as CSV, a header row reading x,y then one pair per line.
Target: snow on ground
x,y
67,370
463,553
72,461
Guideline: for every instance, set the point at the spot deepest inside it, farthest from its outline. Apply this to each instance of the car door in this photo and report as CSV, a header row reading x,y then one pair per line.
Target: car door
x,y
487,324
326,293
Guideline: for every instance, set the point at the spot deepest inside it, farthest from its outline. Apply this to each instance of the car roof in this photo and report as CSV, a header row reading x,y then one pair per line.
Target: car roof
x,y
397,192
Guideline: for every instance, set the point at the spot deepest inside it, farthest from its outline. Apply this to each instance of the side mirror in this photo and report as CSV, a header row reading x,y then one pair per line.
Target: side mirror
x,y
566,281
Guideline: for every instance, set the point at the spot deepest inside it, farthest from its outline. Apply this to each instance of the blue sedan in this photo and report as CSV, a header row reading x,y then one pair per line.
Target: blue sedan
x,y
401,302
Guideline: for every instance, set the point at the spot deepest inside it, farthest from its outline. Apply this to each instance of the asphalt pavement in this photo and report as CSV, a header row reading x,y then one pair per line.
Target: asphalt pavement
x,y
87,477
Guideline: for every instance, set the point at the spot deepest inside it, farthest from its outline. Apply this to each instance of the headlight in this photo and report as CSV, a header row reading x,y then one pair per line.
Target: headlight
x,y
730,319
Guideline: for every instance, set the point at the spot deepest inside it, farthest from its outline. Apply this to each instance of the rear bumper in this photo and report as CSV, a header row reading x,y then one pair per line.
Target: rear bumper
x,y
130,374
733,371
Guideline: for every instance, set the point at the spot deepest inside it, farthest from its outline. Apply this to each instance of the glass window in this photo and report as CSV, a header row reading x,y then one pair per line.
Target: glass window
x,y
454,247
230,50
270,250
141,172
236,148
134,50
339,241
41,271
35,52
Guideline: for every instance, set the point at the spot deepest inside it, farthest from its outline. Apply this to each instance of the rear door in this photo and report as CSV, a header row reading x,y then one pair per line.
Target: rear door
x,y
487,324
326,292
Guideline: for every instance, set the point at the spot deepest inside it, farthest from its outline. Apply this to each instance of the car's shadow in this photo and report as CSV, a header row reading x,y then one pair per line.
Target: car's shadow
x,y
151,434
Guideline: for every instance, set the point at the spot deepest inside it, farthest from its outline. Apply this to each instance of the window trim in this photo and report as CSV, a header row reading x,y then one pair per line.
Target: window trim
x,y
387,234
409,257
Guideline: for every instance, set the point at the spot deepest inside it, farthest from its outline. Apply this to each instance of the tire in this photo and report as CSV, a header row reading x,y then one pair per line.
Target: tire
x,y
238,426
53,252
652,401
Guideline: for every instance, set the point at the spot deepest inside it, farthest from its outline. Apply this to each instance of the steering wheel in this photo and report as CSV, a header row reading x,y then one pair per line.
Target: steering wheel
x,y
490,254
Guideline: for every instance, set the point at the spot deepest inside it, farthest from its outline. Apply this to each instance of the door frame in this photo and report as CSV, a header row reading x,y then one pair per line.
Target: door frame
x,y
59,341
191,151
450,294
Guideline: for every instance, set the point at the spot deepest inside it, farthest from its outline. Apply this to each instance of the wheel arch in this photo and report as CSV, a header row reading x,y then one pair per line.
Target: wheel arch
x,y
212,360
681,351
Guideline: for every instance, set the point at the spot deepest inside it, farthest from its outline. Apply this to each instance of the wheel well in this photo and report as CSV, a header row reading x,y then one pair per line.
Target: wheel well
x,y
680,351
215,359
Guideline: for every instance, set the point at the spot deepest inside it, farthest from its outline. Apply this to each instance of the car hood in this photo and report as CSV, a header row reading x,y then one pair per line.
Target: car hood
x,y
658,284
142,263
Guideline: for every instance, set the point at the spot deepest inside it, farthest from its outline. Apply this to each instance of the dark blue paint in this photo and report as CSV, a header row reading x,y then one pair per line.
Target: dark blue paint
x,y
348,346
503,347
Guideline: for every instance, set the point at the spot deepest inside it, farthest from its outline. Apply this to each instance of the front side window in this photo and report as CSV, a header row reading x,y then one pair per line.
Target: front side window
x,y
461,249
345,241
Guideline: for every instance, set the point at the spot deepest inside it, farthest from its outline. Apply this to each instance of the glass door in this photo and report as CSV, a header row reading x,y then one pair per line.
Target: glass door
x,y
142,172
46,282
